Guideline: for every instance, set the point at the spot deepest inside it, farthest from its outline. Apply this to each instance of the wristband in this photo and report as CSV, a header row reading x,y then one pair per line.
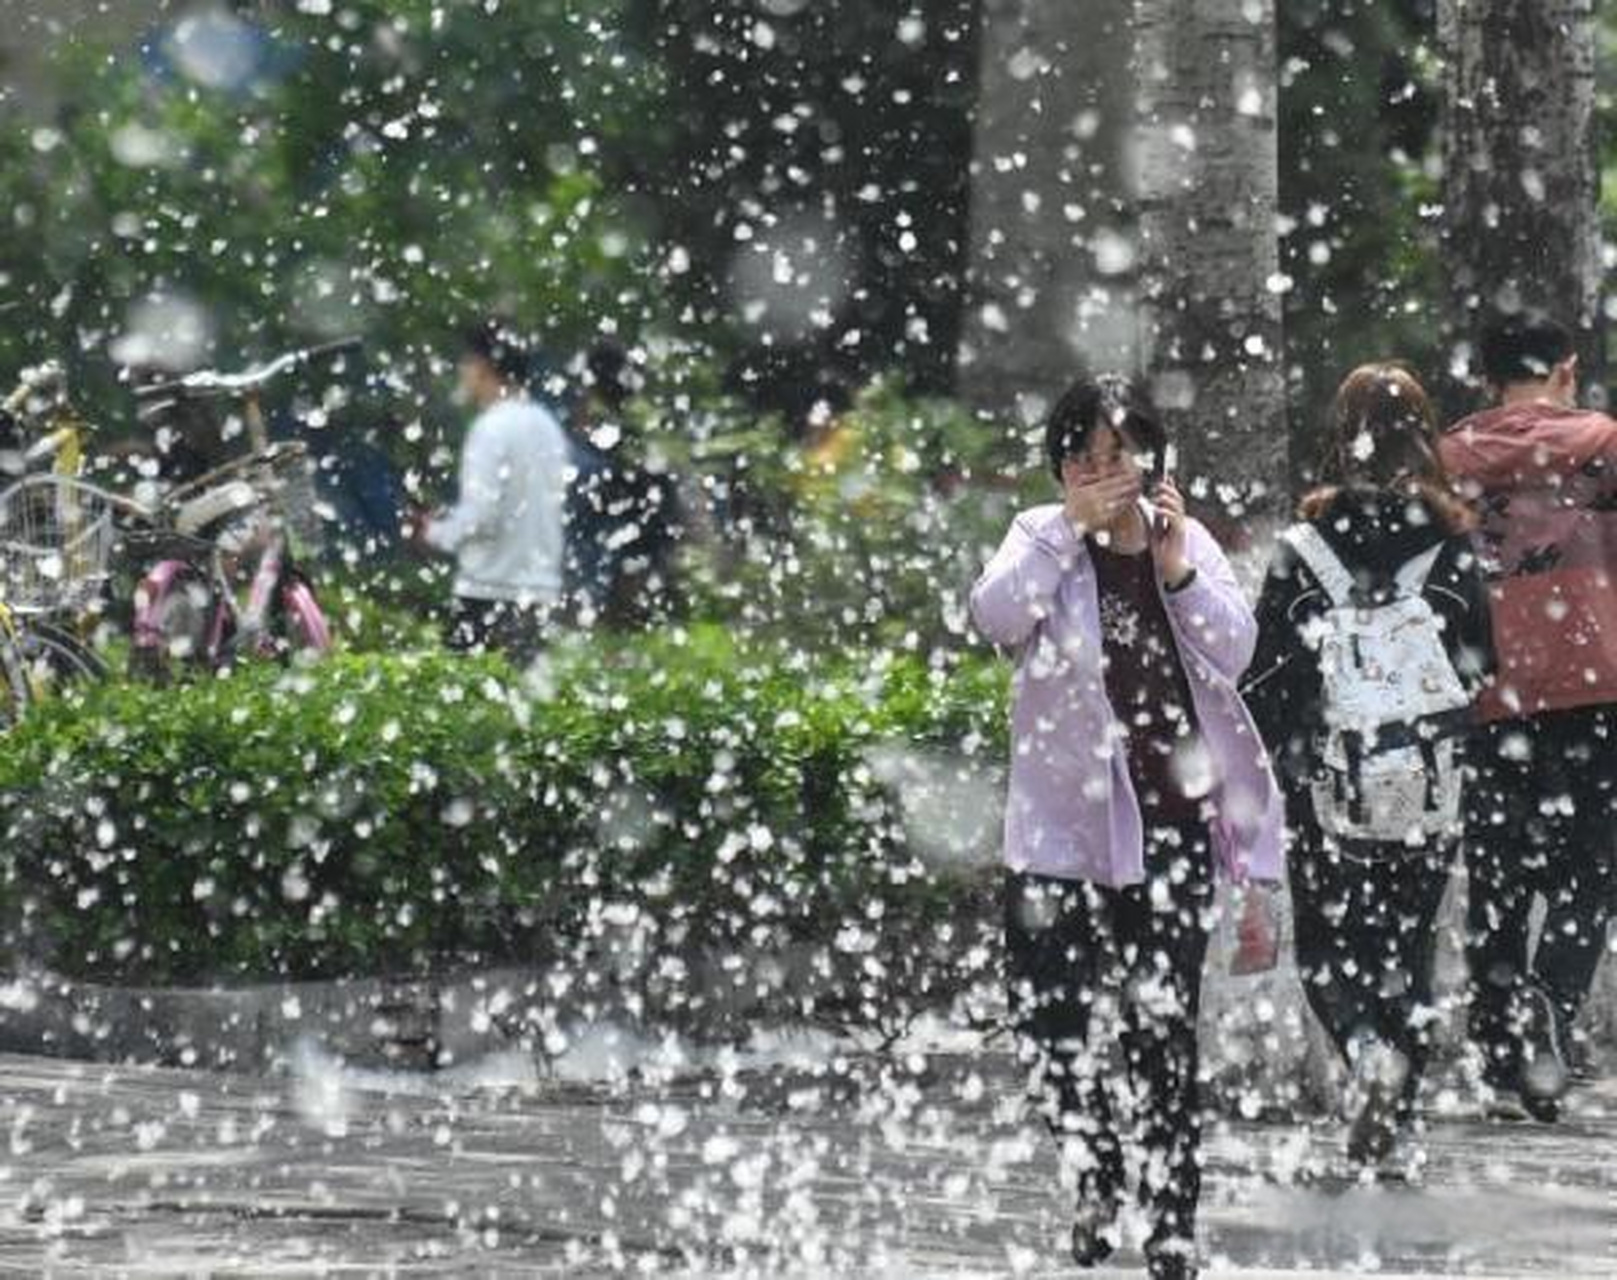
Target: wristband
x,y
1174,588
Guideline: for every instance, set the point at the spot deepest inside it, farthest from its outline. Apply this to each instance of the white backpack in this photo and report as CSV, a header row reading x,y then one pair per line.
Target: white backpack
x,y
1395,708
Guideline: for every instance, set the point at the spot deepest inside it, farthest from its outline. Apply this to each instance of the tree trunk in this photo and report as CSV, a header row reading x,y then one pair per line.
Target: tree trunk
x,y
1521,183
1210,269
1051,284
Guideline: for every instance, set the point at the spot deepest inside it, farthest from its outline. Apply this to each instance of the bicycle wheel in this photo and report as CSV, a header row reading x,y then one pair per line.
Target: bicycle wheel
x,y
55,658
303,621
174,611
13,677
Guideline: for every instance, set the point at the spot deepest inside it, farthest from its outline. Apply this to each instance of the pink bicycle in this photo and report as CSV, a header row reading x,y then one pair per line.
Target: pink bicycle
x,y
223,580
213,538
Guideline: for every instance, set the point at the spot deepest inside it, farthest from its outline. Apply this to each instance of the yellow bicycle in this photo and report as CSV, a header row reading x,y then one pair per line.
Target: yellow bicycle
x,y
37,659
55,546
15,694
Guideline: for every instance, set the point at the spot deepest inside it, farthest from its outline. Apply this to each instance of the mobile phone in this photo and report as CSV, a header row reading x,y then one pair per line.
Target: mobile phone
x,y
1170,459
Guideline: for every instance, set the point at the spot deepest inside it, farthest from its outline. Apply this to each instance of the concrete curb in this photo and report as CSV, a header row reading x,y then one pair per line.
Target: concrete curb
x,y
230,1029
1262,1047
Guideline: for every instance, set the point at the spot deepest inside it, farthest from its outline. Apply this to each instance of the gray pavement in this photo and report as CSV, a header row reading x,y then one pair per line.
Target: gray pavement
x,y
865,1168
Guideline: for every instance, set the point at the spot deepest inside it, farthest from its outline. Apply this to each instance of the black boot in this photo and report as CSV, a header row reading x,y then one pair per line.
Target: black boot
x,y
1094,1221
1542,1076
1173,1260
1380,1072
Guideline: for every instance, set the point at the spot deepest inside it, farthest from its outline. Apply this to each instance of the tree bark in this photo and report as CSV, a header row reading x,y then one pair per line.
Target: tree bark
x,y
1210,270
1051,286
1521,181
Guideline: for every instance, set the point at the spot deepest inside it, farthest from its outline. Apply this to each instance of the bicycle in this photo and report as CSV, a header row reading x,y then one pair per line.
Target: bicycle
x,y
229,526
40,402
56,538
54,545
34,658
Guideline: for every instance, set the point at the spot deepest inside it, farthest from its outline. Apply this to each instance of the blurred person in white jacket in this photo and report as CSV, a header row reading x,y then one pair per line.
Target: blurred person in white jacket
x,y
506,529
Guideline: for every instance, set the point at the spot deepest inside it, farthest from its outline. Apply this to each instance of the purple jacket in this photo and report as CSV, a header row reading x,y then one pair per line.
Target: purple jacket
x,y
1072,811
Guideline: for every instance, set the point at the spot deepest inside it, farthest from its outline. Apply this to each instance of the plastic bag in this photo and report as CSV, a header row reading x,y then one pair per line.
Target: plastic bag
x,y
1257,934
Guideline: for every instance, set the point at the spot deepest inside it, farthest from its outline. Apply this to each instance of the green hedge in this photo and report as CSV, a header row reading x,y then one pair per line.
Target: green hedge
x,y
379,813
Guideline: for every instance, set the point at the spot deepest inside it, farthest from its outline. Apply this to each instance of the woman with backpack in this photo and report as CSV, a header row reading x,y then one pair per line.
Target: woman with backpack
x,y
1136,776
1373,643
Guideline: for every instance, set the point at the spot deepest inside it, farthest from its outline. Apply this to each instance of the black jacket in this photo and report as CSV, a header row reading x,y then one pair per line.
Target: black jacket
x,y
1374,533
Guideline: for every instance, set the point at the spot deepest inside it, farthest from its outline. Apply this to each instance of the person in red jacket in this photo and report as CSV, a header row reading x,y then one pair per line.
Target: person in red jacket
x,y
1543,476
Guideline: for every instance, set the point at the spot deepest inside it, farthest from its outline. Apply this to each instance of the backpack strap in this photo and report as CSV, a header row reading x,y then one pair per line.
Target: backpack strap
x,y
1412,577
1309,543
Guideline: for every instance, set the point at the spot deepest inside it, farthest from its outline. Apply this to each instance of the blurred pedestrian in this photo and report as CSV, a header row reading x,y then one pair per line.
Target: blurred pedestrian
x,y
506,528
1543,474
626,522
1136,776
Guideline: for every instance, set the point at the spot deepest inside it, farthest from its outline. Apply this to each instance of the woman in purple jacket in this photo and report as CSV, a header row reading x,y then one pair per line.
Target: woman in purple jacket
x,y
1136,776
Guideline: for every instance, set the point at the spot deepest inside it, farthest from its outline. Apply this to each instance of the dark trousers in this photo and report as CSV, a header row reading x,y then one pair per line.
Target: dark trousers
x,y
516,630
1366,941
1540,822
1096,972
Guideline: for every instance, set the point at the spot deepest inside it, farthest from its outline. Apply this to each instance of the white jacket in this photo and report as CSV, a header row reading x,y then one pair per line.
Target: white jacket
x,y
507,530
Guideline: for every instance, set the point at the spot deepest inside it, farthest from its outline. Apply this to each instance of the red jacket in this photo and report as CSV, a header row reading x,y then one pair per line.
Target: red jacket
x,y
1544,480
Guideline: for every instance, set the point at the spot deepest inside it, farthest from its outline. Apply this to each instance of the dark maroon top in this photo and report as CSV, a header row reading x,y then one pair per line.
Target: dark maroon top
x,y
1146,685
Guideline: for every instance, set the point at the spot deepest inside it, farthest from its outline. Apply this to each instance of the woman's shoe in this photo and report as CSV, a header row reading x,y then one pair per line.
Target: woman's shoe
x,y
1543,1076
1379,1074
1091,1232
1172,1263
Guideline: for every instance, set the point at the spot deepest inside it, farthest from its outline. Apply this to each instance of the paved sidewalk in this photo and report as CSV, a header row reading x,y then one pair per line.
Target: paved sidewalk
x,y
146,1172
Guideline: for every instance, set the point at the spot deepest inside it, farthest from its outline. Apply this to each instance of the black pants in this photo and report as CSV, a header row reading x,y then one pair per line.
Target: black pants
x,y
1540,822
1095,971
516,630
1366,941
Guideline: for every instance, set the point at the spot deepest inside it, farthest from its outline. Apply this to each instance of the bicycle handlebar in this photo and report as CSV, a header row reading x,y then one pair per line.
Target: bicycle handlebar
x,y
209,384
120,503
40,378
46,448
